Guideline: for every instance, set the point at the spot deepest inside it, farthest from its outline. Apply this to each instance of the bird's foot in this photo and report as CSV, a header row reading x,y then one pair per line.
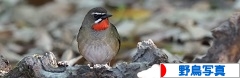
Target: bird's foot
x,y
62,64
89,65
101,65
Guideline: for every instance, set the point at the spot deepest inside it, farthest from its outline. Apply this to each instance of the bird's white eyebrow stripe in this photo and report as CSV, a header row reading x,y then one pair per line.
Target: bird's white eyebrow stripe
x,y
97,13
97,21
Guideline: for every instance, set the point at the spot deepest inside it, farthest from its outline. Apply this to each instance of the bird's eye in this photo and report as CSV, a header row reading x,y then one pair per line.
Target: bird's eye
x,y
97,16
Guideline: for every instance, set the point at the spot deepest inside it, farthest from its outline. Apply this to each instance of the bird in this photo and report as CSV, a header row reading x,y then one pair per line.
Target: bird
x,y
98,39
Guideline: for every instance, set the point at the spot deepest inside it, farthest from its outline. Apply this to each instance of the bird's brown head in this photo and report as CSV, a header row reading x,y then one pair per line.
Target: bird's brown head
x,y
97,18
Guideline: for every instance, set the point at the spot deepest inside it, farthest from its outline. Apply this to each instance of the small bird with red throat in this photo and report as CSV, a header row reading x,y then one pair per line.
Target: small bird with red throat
x,y
98,39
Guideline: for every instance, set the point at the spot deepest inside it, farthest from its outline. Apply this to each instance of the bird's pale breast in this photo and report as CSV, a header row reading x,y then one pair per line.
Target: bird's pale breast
x,y
99,51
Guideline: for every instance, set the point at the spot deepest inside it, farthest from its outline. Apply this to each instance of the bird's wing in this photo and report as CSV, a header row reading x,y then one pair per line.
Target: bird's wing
x,y
79,33
115,32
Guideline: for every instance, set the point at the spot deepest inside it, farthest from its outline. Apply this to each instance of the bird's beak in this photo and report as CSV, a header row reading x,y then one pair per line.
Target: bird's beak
x,y
106,16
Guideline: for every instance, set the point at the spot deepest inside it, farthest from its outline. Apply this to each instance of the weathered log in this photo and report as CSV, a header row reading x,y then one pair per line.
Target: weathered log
x,y
47,67
226,44
4,66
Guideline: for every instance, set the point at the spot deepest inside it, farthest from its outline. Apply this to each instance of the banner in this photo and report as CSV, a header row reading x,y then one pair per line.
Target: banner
x,y
199,70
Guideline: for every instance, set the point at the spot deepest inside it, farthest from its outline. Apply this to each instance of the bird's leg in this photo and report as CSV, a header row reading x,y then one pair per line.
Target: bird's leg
x,y
107,66
97,66
91,65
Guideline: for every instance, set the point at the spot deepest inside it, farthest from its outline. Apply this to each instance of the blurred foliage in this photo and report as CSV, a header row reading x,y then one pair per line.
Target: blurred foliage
x,y
131,13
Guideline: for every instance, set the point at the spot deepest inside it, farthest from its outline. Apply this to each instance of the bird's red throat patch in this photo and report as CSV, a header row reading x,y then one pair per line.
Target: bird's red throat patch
x,y
104,24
